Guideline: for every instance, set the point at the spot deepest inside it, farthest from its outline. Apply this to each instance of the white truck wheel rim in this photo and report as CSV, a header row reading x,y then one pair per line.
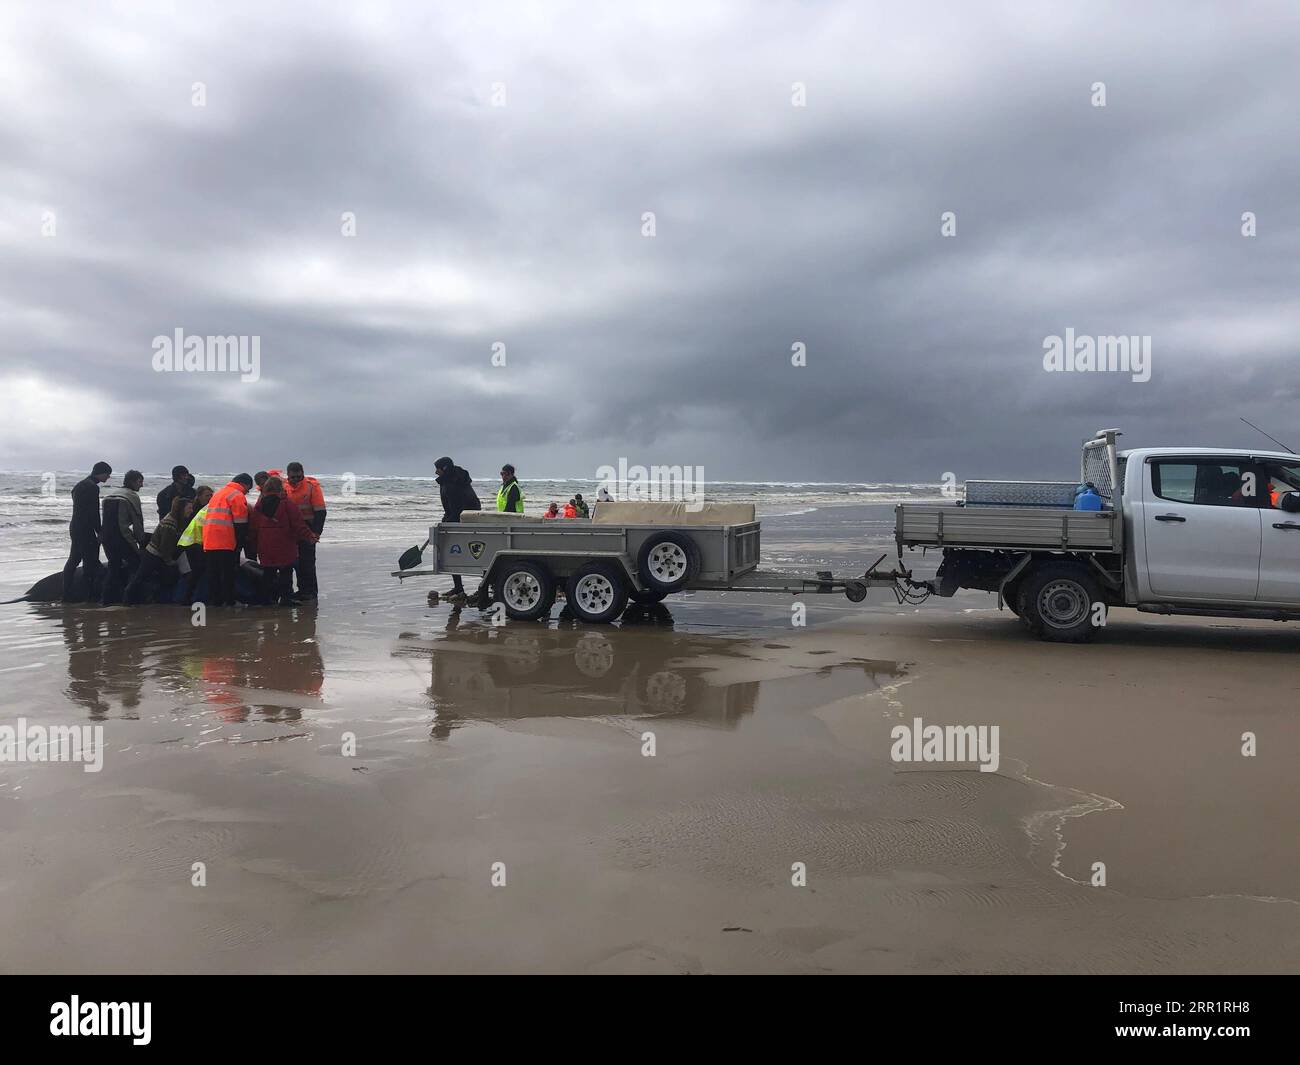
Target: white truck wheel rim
x,y
522,591
1063,604
594,593
667,562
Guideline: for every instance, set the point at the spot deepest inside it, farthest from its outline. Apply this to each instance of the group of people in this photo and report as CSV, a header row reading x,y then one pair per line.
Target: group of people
x,y
576,507
200,536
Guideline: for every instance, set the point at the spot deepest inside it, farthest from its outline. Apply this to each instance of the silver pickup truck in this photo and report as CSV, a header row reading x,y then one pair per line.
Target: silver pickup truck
x,y
1187,530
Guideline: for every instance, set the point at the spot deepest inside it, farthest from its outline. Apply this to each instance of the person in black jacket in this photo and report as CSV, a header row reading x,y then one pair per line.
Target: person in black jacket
x,y
84,529
182,485
457,492
123,534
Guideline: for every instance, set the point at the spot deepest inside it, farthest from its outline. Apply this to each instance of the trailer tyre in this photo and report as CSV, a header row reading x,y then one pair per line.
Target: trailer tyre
x,y
668,561
647,598
1057,603
597,592
526,589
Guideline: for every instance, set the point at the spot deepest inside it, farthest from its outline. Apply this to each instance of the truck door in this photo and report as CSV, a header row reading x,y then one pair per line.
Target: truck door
x,y
1279,566
1202,524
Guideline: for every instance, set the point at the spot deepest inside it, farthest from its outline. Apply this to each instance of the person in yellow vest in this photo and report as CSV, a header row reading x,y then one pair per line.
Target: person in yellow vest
x,y
191,542
305,494
510,497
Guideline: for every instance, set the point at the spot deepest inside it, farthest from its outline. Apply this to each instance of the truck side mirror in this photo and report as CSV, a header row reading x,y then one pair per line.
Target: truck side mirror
x,y
1290,502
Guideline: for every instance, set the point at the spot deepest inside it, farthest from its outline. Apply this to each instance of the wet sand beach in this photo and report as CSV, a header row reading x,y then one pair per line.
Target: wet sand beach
x,y
523,744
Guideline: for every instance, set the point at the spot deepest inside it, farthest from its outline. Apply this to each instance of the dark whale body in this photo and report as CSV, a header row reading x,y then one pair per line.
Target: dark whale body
x,y
50,589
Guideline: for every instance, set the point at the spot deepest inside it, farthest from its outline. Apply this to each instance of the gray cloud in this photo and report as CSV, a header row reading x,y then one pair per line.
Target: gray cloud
x,y
521,224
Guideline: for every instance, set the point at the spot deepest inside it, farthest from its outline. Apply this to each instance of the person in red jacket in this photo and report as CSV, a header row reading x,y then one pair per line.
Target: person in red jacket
x,y
274,529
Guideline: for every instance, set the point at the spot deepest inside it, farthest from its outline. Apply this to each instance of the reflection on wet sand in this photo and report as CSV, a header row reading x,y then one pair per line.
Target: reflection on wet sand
x,y
640,668
263,663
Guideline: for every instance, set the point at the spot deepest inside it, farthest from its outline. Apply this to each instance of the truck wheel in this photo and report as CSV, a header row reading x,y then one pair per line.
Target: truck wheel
x,y
1056,603
646,598
668,561
526,589
597,592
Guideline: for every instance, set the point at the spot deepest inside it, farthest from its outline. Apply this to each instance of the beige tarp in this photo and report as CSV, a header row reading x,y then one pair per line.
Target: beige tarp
x,y
672,514
635,513
494,515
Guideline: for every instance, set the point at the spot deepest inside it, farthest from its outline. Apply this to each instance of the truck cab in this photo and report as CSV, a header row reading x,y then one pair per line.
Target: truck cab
x,y
1181,530
1211,526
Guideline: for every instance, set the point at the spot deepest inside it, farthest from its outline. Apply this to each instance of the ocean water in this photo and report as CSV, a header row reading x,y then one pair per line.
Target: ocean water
x,y
35,507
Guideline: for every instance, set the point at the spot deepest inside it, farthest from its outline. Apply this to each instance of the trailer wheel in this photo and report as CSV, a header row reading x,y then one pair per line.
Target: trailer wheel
x,y
593,655
668,561
1056,603
526,589
665,691
646,598
597,592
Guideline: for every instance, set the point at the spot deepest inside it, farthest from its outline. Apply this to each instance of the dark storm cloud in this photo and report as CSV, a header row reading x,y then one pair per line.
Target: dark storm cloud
x,y
522,224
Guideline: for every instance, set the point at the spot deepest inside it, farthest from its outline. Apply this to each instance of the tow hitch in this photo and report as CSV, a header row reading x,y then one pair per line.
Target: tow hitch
x,y
855,589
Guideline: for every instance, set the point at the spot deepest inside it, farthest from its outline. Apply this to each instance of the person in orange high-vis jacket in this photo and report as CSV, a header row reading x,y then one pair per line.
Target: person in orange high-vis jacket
x,y
305,493
224,533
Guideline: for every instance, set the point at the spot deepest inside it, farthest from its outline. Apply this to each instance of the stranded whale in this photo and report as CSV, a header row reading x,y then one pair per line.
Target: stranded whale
x,y
50,589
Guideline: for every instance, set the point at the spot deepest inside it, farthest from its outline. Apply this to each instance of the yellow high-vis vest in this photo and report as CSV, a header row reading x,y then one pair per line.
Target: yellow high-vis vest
x,y
504,491
193,533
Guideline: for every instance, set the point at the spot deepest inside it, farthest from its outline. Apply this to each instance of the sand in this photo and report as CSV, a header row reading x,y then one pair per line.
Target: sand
x,y
524,745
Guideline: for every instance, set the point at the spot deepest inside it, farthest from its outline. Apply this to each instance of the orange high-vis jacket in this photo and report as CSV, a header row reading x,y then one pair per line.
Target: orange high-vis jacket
x,y
307,497
227,508
570,511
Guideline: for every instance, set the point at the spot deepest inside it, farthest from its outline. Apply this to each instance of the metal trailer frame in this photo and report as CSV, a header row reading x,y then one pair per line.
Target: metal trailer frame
x,y
729,555
476,548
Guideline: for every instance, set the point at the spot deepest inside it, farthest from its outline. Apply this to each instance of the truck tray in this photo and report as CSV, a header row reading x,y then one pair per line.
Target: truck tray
x,y
1011,528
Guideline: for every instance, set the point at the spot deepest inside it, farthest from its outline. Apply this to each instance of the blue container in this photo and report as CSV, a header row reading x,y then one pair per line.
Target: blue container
x,y
1086,498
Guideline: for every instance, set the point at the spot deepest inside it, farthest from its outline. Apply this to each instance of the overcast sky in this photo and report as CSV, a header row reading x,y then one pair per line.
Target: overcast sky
x,y
127,212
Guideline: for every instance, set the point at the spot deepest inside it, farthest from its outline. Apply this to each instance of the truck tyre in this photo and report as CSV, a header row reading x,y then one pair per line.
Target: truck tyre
x,y
1056,602
1011,598
646,598
597,592
526,589
668,561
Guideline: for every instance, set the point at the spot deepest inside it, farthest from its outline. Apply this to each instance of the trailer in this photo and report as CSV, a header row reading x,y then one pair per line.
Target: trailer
x,y
627,551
